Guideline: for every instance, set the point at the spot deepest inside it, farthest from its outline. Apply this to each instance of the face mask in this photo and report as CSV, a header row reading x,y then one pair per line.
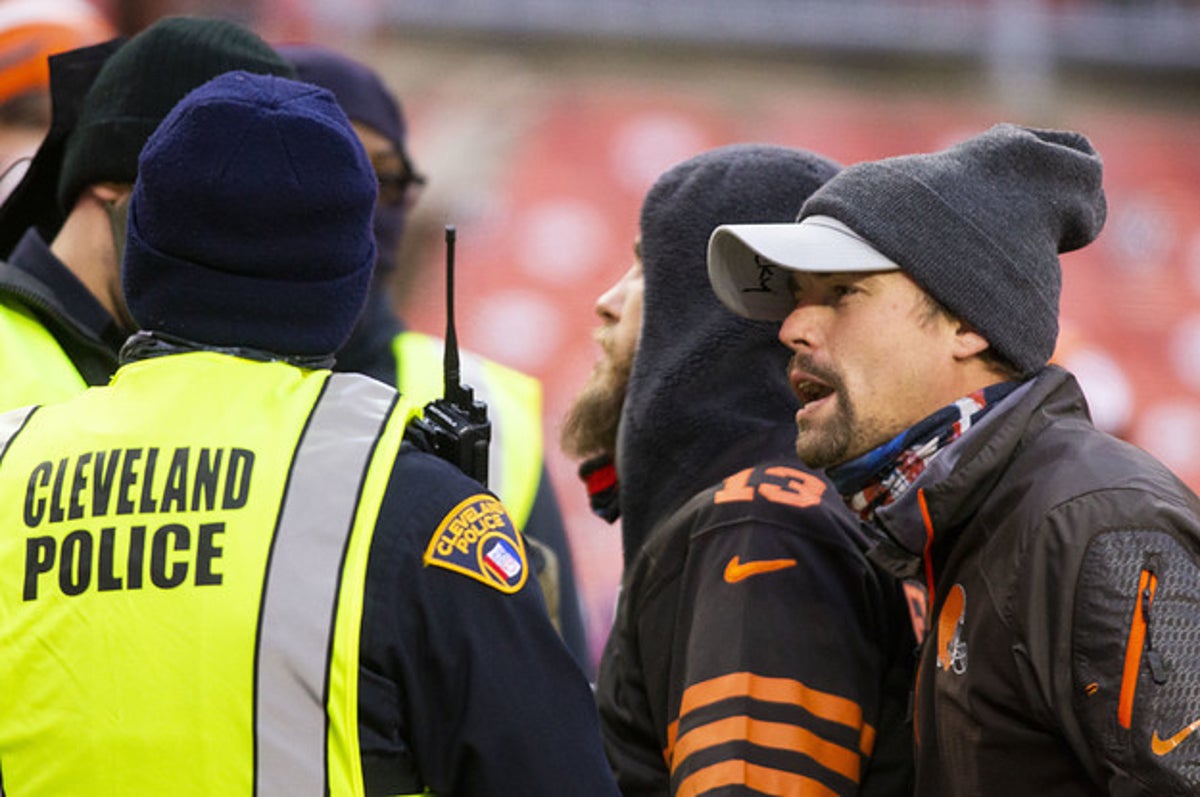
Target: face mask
x,y
389,228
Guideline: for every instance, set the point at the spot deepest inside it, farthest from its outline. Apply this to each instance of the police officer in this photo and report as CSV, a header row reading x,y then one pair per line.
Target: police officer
x,y
230,571
62,316
383,347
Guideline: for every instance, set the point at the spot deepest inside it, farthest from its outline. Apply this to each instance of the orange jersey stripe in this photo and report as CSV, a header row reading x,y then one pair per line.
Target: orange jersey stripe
x,y
866,740
761,779
772,690
778,735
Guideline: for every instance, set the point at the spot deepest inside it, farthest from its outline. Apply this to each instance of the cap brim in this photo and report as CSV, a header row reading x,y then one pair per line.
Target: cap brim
x,y
748,263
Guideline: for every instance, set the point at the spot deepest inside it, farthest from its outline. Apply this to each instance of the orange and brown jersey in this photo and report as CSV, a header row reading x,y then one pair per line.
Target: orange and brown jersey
x,y
719,713
757,651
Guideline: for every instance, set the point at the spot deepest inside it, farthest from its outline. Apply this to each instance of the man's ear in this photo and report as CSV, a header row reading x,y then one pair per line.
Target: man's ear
x,y
967,342
111,192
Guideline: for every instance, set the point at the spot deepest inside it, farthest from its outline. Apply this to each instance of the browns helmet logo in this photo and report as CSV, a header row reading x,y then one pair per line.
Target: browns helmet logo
x,y
951,647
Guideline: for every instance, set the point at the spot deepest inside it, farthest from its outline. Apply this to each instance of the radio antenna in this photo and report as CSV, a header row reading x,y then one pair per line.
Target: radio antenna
x,y
450,370
457,424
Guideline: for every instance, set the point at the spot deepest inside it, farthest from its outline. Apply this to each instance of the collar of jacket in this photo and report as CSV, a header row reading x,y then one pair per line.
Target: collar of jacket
x,y
43,283
147,344
956,481
371,347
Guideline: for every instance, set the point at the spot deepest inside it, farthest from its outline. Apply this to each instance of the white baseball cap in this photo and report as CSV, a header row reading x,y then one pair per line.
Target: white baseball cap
x,y
747,263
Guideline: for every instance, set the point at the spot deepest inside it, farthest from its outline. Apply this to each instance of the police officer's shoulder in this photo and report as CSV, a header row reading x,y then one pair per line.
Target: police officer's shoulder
x,y
462,527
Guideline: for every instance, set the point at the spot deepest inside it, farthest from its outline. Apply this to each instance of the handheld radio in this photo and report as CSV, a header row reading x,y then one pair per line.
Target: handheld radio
x,y
457,424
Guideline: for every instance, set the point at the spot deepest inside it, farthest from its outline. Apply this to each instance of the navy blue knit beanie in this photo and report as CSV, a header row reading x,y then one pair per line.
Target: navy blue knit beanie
x,y
359,90
250,221
366,99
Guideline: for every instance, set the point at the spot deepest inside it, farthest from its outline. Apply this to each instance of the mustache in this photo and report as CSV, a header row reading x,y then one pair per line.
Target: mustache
x,y
605,338
808,365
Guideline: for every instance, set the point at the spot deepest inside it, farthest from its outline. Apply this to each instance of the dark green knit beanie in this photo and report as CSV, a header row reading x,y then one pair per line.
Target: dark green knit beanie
x,y
141,83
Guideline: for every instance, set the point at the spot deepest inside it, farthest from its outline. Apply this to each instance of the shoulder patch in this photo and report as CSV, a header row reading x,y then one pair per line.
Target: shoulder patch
x,y
478,539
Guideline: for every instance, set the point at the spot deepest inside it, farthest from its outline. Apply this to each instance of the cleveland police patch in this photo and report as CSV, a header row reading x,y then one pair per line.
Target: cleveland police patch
x,y
478,539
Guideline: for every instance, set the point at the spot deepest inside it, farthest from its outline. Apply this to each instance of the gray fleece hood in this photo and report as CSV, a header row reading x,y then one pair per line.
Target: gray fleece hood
x,y
708,394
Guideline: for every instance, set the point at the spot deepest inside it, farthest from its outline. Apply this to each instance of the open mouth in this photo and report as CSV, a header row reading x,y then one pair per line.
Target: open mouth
x,y
808,392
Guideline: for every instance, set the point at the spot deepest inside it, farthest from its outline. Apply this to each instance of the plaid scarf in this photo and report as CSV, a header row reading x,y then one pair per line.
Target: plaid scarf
x,y
880,476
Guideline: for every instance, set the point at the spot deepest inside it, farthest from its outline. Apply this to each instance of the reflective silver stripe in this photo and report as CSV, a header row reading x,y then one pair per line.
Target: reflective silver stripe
x,y
300,599
10,424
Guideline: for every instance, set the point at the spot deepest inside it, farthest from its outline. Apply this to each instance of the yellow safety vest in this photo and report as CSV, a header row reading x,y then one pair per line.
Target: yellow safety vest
x,y
33,367
514,403
185,552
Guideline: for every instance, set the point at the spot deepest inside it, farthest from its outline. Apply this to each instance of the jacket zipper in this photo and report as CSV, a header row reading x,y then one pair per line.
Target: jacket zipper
x,y
1140,642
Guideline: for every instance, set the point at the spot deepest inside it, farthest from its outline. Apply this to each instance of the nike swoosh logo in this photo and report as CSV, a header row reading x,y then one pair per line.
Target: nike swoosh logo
x,y
737,571
1164,746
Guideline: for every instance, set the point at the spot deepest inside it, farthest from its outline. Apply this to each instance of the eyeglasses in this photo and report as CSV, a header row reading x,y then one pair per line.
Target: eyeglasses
x,y
399,183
